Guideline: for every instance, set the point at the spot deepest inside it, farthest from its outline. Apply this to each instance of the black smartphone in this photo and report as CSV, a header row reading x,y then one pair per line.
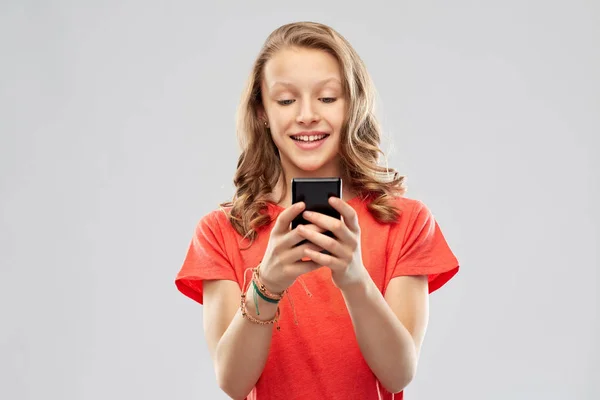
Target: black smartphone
x,y
315,193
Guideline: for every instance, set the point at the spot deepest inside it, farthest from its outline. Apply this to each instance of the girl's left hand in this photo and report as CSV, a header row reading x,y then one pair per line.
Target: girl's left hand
x,y
345,259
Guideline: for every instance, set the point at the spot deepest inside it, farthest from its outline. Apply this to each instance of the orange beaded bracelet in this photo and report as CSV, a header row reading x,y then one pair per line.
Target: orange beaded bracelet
x,y
249,317
266,293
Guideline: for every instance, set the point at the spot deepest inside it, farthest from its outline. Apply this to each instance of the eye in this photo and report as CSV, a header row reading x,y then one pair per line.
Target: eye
x,y
328,99
285,102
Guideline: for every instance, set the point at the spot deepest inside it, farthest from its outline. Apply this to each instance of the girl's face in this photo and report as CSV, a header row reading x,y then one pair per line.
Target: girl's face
x,y
305,107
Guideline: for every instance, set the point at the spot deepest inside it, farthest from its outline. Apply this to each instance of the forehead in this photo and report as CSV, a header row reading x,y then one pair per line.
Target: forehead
x,y
301,67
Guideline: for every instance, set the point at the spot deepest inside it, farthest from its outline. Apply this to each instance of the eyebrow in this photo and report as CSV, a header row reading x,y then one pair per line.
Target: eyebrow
x,y
319,83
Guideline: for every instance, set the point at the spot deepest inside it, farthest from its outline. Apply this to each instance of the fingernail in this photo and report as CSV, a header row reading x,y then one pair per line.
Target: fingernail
x,y
308,213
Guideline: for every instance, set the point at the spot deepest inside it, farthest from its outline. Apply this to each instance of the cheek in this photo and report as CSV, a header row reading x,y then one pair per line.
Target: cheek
x,y
281,121
337,117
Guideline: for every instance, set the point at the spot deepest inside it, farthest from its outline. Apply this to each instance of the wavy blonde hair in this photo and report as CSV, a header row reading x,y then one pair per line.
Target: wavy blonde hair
x,y
259,166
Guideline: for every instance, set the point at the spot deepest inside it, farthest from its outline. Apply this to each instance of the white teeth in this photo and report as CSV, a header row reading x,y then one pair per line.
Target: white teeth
x,y
309,138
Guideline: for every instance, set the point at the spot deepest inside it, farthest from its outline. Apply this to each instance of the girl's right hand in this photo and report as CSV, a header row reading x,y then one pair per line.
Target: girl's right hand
x,y
282,264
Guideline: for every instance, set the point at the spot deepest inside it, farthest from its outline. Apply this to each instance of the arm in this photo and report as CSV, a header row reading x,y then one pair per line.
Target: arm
x,y
389,329
401,317
238,349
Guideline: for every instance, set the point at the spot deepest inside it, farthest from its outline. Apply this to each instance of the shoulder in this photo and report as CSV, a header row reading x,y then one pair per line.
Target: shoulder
x,y
413,215
406,207
415,208
407,204
215,220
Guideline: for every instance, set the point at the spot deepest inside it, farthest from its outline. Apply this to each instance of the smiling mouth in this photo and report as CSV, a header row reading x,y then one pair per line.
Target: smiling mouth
x,y
309,139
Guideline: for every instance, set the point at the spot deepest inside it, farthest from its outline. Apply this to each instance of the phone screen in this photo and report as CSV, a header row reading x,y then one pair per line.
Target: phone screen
x,y
315,193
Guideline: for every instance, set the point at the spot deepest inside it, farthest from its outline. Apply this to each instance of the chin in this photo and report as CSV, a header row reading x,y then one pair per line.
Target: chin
x,y
310,169
312,166
311,163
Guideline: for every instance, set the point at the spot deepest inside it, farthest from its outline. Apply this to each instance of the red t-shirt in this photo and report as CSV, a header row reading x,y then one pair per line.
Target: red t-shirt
x,y
319,358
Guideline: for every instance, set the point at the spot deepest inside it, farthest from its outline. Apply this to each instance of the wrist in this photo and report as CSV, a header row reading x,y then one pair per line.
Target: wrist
x,y
269,285
259,308
352,283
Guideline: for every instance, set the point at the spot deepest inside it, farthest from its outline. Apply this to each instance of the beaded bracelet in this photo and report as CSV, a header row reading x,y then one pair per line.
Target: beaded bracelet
x,y
261,290
249,317
258,291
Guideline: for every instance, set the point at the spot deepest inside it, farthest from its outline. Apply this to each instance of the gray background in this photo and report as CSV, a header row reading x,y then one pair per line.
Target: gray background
x,y
117,135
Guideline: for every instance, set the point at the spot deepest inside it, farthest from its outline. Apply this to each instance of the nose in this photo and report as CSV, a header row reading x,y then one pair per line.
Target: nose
x,y
307,114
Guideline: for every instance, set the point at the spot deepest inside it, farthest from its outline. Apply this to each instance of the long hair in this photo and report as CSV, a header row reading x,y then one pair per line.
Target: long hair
x,y
259,166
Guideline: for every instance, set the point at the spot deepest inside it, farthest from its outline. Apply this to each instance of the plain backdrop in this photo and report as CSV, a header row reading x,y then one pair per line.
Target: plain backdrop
x,y
117,136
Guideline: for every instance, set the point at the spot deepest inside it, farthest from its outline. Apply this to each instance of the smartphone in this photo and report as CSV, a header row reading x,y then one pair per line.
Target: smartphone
x,y
315,193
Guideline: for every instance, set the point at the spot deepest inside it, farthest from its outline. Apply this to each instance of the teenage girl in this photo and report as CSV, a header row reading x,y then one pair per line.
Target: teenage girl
x,y
289,322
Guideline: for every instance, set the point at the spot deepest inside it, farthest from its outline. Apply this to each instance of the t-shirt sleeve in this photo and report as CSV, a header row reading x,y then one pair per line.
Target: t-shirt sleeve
x,y
424,250
206,259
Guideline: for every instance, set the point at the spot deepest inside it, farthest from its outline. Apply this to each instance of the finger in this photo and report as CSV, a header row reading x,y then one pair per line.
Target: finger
x,y
325,242
282,224
336,226
295,254
348,213
304,267
293,237
322,259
